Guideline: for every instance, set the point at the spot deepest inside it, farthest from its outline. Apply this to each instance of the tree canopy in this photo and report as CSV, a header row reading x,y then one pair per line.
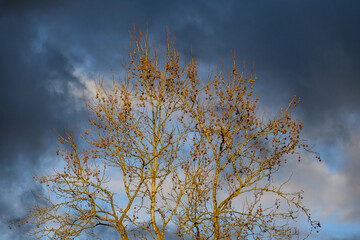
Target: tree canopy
x,y
167,153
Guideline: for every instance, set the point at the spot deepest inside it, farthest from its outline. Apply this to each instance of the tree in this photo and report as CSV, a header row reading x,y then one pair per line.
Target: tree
x,y
191,158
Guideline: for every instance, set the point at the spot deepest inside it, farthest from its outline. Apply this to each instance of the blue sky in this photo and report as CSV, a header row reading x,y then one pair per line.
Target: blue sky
x,y
50,51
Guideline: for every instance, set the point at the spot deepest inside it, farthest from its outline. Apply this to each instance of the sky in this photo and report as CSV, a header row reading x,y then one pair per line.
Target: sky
x,y
51,52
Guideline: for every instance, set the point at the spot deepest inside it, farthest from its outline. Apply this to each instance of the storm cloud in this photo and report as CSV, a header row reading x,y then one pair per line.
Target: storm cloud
x,y
50,50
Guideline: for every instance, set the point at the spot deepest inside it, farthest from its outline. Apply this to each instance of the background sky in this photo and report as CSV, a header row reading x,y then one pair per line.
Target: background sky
x,y
50,52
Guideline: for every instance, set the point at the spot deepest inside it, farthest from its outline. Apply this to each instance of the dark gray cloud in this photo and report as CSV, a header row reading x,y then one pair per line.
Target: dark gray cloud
x,y
30,107
308,48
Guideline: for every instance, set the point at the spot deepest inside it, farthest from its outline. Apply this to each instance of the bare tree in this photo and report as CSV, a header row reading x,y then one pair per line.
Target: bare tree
x,y
167,153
